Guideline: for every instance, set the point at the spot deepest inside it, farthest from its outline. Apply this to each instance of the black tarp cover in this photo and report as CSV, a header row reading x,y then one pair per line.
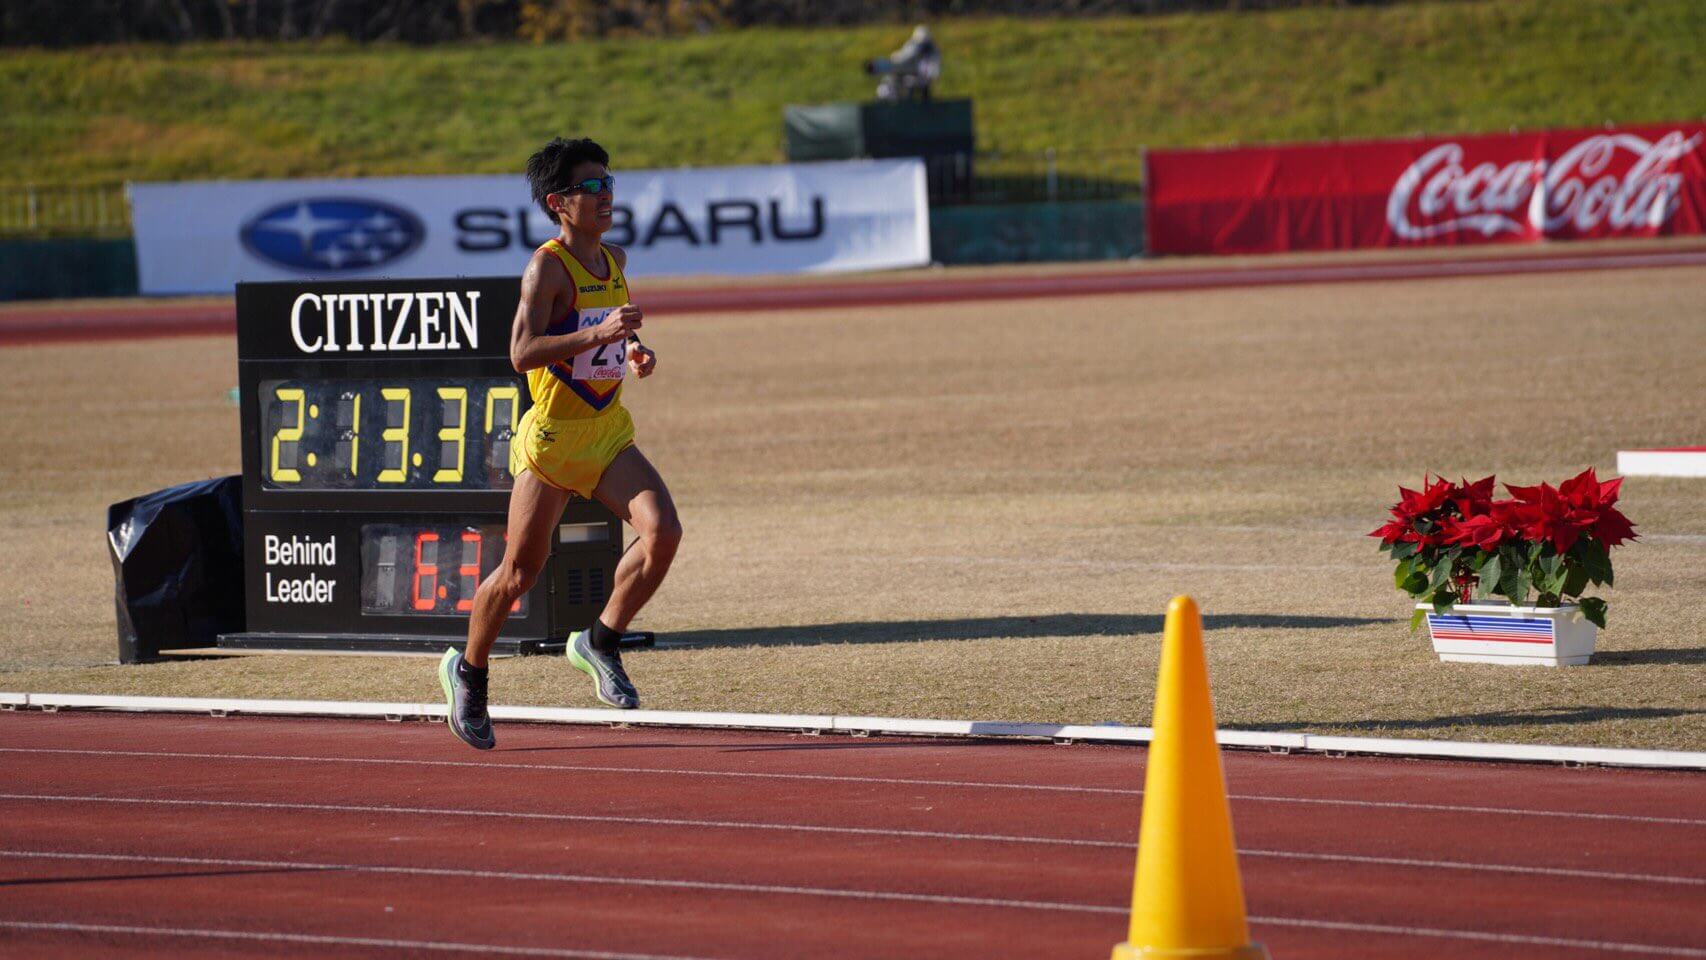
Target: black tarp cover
x,y
177,566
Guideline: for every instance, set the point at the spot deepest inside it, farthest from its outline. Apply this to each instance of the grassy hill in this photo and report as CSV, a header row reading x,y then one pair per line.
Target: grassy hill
x,y
1093,90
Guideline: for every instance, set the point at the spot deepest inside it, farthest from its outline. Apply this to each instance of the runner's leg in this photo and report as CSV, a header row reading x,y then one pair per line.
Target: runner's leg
x,y
534,509
632,489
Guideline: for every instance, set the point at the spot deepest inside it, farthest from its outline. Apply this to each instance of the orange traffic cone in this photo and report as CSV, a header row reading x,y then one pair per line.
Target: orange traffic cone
x,y
1187,901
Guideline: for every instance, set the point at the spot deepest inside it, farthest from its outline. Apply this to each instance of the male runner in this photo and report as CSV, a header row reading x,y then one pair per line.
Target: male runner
x,y
575,338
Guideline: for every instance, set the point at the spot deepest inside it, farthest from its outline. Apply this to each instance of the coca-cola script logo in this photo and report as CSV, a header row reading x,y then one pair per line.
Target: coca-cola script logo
x,y
1585,187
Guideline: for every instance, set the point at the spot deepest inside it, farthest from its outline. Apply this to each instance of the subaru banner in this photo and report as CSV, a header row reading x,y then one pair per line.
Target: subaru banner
x,y
202,237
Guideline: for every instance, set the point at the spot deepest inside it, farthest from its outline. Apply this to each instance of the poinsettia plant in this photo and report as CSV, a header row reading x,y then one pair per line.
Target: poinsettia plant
x,y
1454,543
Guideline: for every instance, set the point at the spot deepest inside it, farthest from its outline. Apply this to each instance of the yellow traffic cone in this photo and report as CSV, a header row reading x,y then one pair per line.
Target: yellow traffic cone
x,y
1187,901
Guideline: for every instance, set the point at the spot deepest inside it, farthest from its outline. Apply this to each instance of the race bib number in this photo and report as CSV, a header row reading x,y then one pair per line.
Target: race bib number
x,y
607,362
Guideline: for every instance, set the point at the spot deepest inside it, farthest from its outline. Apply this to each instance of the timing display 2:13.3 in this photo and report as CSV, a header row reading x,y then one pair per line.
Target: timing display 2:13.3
x,y
388,434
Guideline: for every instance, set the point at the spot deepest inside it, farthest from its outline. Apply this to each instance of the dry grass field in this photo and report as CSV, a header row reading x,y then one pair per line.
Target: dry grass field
x,y
979,510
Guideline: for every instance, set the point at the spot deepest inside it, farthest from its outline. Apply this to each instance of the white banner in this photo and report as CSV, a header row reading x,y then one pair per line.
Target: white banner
x,y
202,237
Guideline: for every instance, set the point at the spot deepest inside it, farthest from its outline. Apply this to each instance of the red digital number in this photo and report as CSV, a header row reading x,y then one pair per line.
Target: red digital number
x,y
470,571
424,600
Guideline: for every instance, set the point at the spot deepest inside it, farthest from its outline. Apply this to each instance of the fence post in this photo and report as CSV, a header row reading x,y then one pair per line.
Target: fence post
x,y
1053,177
30,218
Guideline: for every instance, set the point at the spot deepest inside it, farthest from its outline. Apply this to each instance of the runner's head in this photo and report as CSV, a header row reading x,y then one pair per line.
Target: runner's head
x,y
571,182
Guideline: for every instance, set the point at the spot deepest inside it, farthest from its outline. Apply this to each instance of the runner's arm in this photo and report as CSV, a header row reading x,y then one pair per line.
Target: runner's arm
x,y
621,257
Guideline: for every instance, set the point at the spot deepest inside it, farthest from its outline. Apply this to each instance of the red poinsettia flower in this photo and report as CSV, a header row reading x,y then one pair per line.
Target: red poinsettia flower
x,y
1542,515
1392,532
1482,531
1613,528
1592,500
1472,499
1466,528
1413,506
1435,492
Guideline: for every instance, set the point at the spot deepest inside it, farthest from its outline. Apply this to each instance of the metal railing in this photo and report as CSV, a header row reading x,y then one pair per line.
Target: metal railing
x,y
98,209
1056,176
1047,176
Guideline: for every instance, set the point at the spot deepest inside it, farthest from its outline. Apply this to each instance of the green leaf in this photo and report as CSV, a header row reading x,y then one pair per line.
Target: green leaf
x,y
1402,573
1490,572
1519,584
1510,557
1594,609
1597,560
1451,555
1440,574
1402,549
1443,599
1557,569
1575,579
1416,585
1417,618
1514,559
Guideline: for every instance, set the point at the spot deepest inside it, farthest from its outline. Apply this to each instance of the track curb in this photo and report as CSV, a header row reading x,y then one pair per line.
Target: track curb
x,y
1277,742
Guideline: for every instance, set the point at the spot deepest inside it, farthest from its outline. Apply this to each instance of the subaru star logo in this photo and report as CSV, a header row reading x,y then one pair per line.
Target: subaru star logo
x,y
333,234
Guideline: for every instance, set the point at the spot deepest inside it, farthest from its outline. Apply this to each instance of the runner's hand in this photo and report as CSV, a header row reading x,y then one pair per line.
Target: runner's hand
x,y
642,361
622,321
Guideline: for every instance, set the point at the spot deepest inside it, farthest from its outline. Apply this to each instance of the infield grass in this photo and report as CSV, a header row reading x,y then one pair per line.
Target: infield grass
x,y
1096,91
980,510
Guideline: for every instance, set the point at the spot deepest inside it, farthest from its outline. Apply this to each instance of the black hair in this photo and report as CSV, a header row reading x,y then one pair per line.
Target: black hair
x,y
548,170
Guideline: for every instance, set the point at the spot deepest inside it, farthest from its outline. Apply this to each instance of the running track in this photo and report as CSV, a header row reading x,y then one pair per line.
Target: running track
x,y
142,318
126,835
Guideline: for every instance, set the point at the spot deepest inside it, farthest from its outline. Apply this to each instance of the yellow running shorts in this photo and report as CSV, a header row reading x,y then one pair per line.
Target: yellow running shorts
x,y
570,454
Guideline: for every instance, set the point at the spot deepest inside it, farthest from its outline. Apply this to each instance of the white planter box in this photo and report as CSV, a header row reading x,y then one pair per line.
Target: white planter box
x,y
1500,633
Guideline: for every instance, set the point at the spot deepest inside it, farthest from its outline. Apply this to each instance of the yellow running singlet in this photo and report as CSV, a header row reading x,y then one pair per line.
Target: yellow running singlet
x,y
577,424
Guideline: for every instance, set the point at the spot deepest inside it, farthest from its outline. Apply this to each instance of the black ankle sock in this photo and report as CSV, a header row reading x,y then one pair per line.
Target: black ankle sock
x,y
605,639
470,672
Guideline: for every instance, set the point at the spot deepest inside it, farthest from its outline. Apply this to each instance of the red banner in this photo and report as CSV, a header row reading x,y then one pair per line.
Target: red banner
x,y
1560,184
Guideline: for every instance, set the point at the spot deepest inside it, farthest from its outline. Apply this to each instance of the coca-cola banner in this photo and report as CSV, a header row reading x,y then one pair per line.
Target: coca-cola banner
x,y
1559,184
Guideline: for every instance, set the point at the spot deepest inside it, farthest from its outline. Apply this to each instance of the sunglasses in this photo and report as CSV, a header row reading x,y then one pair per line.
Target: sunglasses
x,y
591,185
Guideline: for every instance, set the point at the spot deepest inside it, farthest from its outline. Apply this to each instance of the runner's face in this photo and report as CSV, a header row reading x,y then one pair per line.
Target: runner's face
x,y
588,212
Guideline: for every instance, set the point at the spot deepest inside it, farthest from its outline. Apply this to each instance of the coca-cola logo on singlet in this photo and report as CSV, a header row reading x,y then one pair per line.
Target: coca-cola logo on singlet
x,y
1616,179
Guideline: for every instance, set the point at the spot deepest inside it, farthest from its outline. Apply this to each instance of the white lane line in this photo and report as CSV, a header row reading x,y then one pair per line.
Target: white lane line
x,y
871,895
586,768
835,778
274,936
1475,867
1481,935
615,819
597,879
1466,808
872,831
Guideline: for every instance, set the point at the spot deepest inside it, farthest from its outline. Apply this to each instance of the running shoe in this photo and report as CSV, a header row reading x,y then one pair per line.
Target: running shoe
x,y
467,701
609,680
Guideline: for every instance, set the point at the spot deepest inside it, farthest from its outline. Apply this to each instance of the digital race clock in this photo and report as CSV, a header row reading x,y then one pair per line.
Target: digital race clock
x,y
377,418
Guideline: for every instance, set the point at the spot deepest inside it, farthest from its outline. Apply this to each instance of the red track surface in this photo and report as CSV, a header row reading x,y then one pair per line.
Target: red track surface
x,y
124,321
138,835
